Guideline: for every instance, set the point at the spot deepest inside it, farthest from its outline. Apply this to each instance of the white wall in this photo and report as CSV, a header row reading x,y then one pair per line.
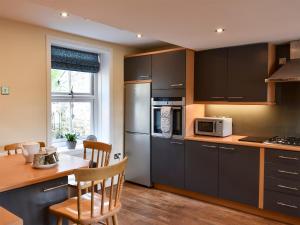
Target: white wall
x,y
23,67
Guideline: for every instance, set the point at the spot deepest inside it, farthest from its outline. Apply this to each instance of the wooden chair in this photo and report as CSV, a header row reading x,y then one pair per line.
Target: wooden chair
x,y
17,146
13,148
99,150
94,208
42,144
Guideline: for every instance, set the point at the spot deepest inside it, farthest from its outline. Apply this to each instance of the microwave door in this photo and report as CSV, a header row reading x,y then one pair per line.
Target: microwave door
x,y
206,127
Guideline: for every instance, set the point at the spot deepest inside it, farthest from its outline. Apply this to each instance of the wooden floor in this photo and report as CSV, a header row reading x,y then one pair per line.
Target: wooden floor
x,y
143,206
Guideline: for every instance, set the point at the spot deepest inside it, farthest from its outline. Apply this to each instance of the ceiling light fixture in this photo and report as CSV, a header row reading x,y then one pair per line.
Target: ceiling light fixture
x,y
139,35
64,14
219,30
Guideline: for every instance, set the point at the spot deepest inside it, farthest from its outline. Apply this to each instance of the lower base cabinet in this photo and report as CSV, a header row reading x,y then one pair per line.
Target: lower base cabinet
x,y
239,174
168,162
31,203
282,182
201,167
283,203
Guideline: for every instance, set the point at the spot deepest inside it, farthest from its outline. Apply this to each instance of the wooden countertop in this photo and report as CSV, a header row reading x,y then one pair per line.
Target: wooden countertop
x,y
7,218
234,140
14,173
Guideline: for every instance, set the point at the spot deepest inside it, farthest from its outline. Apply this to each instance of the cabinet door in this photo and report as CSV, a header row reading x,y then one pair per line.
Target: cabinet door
x,y
168,70
239,174
247,71
168,162
211,75
137,68
31,203
201,167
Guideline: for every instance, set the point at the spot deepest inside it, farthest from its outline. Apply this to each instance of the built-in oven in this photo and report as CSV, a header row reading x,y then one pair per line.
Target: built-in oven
x,y
177,105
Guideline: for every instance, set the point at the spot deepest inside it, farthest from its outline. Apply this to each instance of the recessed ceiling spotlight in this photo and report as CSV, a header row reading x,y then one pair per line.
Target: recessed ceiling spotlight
x,y
64,14
219,30
139,35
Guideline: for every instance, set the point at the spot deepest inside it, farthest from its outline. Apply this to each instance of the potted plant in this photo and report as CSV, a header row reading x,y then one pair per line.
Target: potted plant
x,y
71,140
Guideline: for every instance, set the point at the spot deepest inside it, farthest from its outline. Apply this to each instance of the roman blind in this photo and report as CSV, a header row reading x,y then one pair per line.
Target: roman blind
x,y
74,60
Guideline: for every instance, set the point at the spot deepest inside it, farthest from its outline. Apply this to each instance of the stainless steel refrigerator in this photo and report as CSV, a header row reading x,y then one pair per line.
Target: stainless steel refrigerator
x,y
137,132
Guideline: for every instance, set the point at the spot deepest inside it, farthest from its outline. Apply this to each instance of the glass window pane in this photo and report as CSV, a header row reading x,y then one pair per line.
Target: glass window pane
x,y
60,81
82,118
81,82
60,119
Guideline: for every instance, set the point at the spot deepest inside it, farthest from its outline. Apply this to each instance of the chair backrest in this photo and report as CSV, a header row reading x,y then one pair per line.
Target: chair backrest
x,y
100,150
103,174
18,146
42,144
13,148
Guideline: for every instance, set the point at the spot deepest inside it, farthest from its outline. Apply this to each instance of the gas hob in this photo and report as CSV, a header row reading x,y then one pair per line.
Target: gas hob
x,y
284,140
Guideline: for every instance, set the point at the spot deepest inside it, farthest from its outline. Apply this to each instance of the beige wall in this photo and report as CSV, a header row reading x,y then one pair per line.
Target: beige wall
x,y
23,68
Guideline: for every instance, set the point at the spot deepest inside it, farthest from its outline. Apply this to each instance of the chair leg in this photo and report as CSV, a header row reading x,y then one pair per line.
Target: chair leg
x,y
107,221
115,220
59,221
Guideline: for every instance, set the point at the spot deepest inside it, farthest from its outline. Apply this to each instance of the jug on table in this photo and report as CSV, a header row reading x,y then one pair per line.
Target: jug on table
x,y
29,149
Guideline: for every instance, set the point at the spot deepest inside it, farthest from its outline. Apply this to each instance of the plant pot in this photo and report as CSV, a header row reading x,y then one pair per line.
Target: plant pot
x,y
71,144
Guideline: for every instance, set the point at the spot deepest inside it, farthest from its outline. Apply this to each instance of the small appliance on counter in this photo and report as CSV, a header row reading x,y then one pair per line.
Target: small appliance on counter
x,y
213,126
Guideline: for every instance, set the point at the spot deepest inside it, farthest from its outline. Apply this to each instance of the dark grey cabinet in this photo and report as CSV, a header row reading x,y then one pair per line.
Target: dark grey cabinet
x,y
239,174
167,162
282,181
201,167
137,68
169,70
211,75
234,74
32,203
247,71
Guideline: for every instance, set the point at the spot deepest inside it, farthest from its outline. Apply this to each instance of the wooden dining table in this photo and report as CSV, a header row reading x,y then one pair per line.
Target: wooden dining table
x,y
28,192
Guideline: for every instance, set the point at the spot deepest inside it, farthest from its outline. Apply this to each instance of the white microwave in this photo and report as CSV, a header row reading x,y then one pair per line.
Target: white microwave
x,y
213,126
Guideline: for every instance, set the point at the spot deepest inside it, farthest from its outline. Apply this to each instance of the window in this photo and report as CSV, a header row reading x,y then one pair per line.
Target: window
x,y
73,98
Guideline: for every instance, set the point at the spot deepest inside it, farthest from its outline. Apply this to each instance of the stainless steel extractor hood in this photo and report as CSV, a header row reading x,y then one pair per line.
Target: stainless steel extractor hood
x,y
290,71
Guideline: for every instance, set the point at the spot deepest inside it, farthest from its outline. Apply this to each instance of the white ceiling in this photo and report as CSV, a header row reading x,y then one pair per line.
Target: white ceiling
x,y
30,12
187,23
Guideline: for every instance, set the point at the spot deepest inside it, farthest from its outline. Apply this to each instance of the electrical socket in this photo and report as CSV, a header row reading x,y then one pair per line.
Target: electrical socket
x,y
117,156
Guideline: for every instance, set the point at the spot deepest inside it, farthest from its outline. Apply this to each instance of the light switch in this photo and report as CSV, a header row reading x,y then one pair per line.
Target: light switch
x,y
5,90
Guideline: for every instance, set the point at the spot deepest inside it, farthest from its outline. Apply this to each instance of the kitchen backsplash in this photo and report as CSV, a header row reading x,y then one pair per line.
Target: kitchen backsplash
x,y
262,120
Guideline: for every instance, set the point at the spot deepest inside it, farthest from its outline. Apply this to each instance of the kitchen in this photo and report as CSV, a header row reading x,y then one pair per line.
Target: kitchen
x,y
214,142
204,120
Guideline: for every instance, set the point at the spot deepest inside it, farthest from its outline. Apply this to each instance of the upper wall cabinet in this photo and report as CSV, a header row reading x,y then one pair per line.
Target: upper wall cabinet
x,y
235,74
211,75
137,68
169,70
247,71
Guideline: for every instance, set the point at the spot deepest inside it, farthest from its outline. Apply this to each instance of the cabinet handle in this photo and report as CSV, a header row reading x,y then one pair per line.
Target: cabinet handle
x,y
176,85
144,76
287,205
215,97
236,97
53,188
227,148
209,146
176,143
288,172
286,157
286,187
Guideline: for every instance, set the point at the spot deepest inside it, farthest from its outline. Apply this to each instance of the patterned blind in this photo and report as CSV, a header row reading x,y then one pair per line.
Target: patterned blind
x,y
74,60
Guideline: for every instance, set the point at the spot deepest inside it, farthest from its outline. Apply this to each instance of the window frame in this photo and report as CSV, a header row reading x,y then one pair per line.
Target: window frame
x,y
92,97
